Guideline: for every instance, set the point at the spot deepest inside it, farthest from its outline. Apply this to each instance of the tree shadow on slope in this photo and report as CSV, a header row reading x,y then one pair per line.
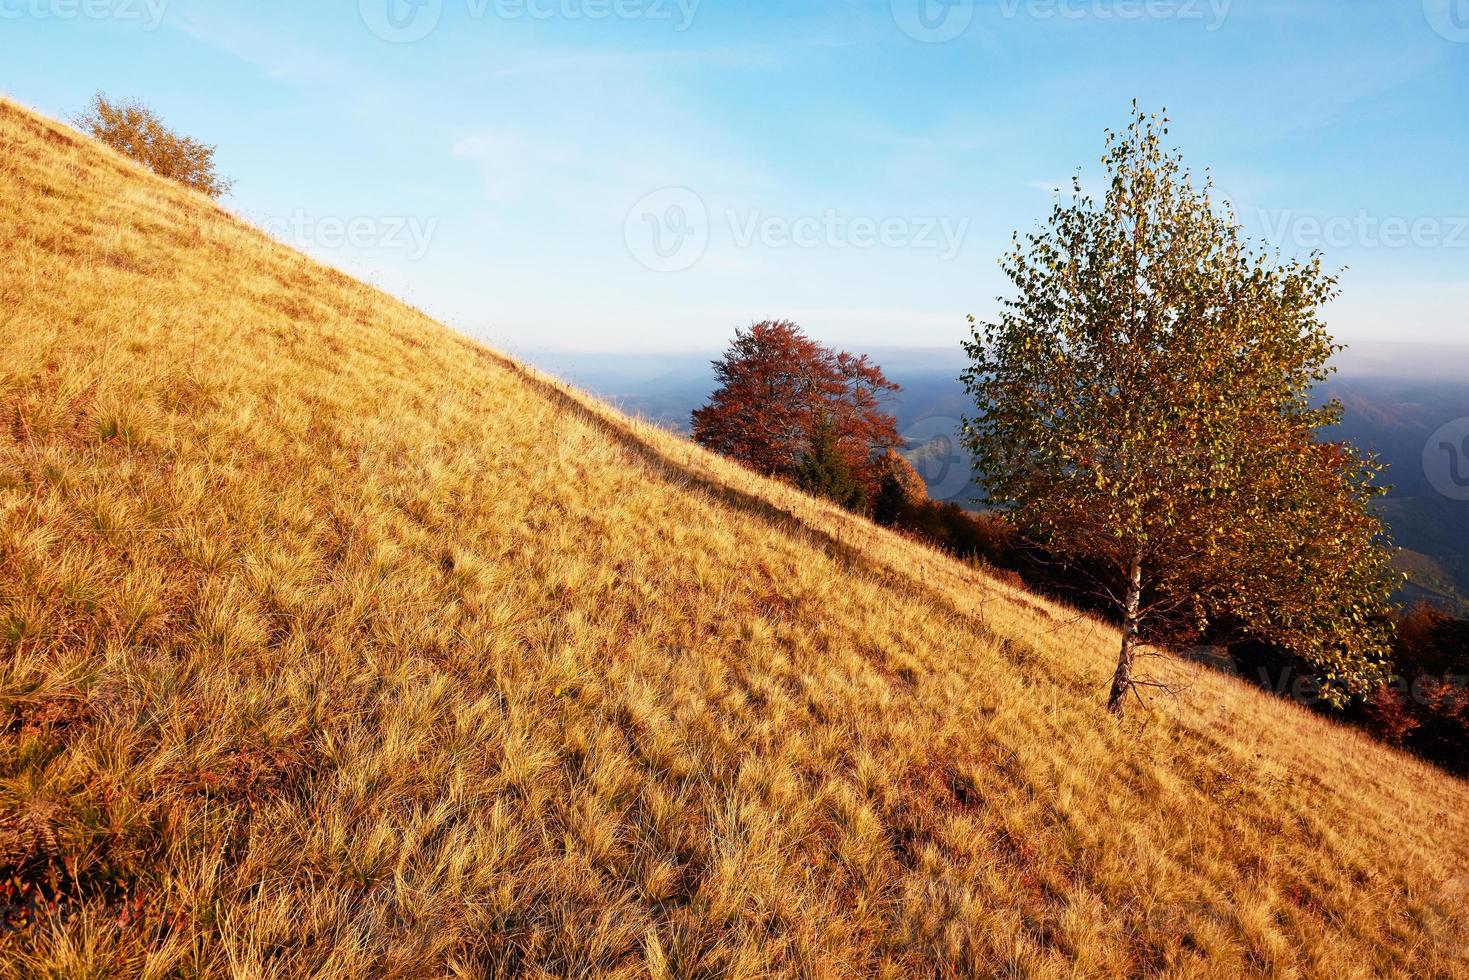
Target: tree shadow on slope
x,y
776,518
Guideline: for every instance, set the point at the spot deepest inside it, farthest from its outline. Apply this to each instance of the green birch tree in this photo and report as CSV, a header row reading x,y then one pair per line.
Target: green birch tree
x,y
1144,409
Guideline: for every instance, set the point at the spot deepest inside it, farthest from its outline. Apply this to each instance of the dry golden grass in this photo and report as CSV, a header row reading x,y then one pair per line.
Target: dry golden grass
x,y
337,644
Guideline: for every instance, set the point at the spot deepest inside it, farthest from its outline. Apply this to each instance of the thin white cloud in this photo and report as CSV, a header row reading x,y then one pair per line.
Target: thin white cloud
x,y
277,56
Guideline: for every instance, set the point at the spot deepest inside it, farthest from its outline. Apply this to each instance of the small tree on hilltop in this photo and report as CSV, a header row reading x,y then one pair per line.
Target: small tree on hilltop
x,y
1144,405
775,383
130,127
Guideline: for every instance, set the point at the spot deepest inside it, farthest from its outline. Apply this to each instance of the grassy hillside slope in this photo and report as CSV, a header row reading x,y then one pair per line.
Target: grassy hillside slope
x,y
334,643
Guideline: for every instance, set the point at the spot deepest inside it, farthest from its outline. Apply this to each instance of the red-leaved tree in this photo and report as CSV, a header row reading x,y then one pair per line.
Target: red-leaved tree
x,y
775,383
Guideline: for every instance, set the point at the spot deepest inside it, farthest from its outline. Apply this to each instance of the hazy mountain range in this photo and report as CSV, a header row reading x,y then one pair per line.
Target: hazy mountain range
x,y
1398,399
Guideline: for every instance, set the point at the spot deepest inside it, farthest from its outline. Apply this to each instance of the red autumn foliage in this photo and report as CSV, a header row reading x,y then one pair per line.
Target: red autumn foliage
x,y
1389,715
774,382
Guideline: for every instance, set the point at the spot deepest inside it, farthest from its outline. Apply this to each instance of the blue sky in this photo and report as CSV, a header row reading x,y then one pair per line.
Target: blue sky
x,y
647,174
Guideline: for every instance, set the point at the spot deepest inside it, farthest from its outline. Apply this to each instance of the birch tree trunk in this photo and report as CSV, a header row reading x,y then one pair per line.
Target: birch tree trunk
x,y
1122,679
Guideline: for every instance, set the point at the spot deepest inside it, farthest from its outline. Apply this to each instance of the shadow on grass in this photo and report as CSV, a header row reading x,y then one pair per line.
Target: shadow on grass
x,y
776,518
